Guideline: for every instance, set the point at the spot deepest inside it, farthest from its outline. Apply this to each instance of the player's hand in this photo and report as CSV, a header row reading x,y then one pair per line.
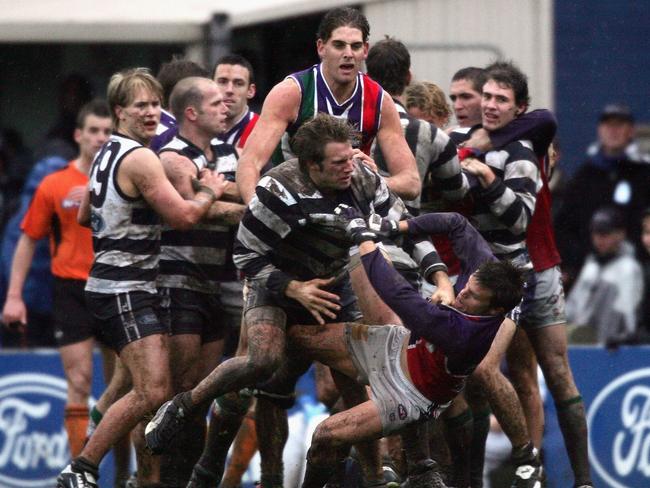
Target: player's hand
x,y
473,166
365,159
320,303
479,139
216,182
383,226
444,293
14,314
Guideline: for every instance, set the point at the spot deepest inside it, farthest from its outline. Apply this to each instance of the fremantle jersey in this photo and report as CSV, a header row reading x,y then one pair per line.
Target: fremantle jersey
x,y
126,230
449,343
238,133
165,131
199,258
362,110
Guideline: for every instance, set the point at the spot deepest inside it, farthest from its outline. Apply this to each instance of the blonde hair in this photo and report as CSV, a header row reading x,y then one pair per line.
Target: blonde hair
x,y
123,85
429,98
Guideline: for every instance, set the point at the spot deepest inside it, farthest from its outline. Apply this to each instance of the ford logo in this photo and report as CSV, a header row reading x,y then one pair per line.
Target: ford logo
x,y
619,423
33,442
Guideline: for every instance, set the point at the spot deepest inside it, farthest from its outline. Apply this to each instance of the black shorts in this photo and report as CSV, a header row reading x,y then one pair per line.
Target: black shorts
x,y
192,312
123,318
258,296
72,320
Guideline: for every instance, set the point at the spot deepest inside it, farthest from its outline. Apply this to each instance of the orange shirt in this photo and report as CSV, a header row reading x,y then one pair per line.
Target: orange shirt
x,y
53,212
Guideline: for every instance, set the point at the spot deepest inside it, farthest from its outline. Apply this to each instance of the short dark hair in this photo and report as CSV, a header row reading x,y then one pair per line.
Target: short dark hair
x,y
340,17
175,70
311,138
97,107
472,74
237,60
508,74
186,93
504,280
388,64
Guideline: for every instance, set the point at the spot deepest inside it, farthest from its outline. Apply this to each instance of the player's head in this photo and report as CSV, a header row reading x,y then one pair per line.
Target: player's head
x,y
389,64
495,288
198,101
465,93
93,127
324,152
235,77
505,95
342,45
175,70
134,97
427,101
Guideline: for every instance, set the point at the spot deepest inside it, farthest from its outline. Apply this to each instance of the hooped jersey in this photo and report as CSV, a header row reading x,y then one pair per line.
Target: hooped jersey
x,y
362,110
199,258
126,230
238,134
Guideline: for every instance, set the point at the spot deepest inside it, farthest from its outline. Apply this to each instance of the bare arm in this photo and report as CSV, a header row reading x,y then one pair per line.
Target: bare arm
x,y
14,309
141,173
279,110
83,214
404,178
228,213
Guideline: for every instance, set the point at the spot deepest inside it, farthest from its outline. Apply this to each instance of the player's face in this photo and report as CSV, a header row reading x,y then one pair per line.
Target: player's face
x,y
211,116
474,299
466,102
234,82
140,118
93,135
342,55
337,167
498,105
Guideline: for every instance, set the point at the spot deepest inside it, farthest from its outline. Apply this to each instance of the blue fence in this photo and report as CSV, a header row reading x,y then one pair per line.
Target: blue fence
x,y
614,384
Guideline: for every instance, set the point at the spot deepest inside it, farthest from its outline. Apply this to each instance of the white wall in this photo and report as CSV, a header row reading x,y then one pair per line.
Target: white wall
x,y
446,35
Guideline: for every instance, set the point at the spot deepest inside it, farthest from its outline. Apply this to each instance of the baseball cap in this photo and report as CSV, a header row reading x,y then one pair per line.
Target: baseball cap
x,y
606,220
616,111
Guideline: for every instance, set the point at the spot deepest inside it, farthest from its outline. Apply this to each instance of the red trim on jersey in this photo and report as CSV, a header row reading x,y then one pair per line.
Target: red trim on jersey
x,y
249,128
372,98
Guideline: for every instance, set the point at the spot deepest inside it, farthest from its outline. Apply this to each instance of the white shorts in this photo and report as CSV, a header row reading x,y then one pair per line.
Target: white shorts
x,y
375,351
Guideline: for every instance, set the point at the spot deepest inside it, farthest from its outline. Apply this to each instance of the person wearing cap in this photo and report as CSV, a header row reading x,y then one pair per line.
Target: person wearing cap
x,y
615,172
608,292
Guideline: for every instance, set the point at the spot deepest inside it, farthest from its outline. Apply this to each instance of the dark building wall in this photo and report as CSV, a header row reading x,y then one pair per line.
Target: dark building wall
x,y
602,53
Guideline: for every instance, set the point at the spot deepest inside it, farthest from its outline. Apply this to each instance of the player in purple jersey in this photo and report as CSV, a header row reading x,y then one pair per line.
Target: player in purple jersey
x,y
408,383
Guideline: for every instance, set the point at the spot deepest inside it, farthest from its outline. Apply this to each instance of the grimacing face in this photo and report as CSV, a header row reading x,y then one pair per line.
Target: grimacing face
x,y
473,299
337,167
342,55
139,119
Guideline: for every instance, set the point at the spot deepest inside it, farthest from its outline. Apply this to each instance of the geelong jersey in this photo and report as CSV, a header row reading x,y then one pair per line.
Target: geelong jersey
x,y
449,344
198,259
362,110
238,133
53,212
437,162
278,239
126,230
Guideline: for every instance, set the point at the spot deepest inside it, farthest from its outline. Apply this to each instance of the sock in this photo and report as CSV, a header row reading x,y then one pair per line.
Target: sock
x,y
76,422
272,481
479,437
80,464
94,420
459,438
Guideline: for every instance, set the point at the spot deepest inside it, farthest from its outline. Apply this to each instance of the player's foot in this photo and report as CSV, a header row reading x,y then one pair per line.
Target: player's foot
x,y
391,478
76,478
425,474
528,476
168,421
202,478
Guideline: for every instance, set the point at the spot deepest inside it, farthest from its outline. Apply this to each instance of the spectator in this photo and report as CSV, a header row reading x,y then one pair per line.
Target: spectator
x,y
644,254
609,289
614,173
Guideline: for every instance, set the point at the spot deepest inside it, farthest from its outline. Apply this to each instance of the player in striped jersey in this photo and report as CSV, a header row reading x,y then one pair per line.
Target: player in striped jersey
x,y
194,262
335,86
544,320
295,268
127,190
